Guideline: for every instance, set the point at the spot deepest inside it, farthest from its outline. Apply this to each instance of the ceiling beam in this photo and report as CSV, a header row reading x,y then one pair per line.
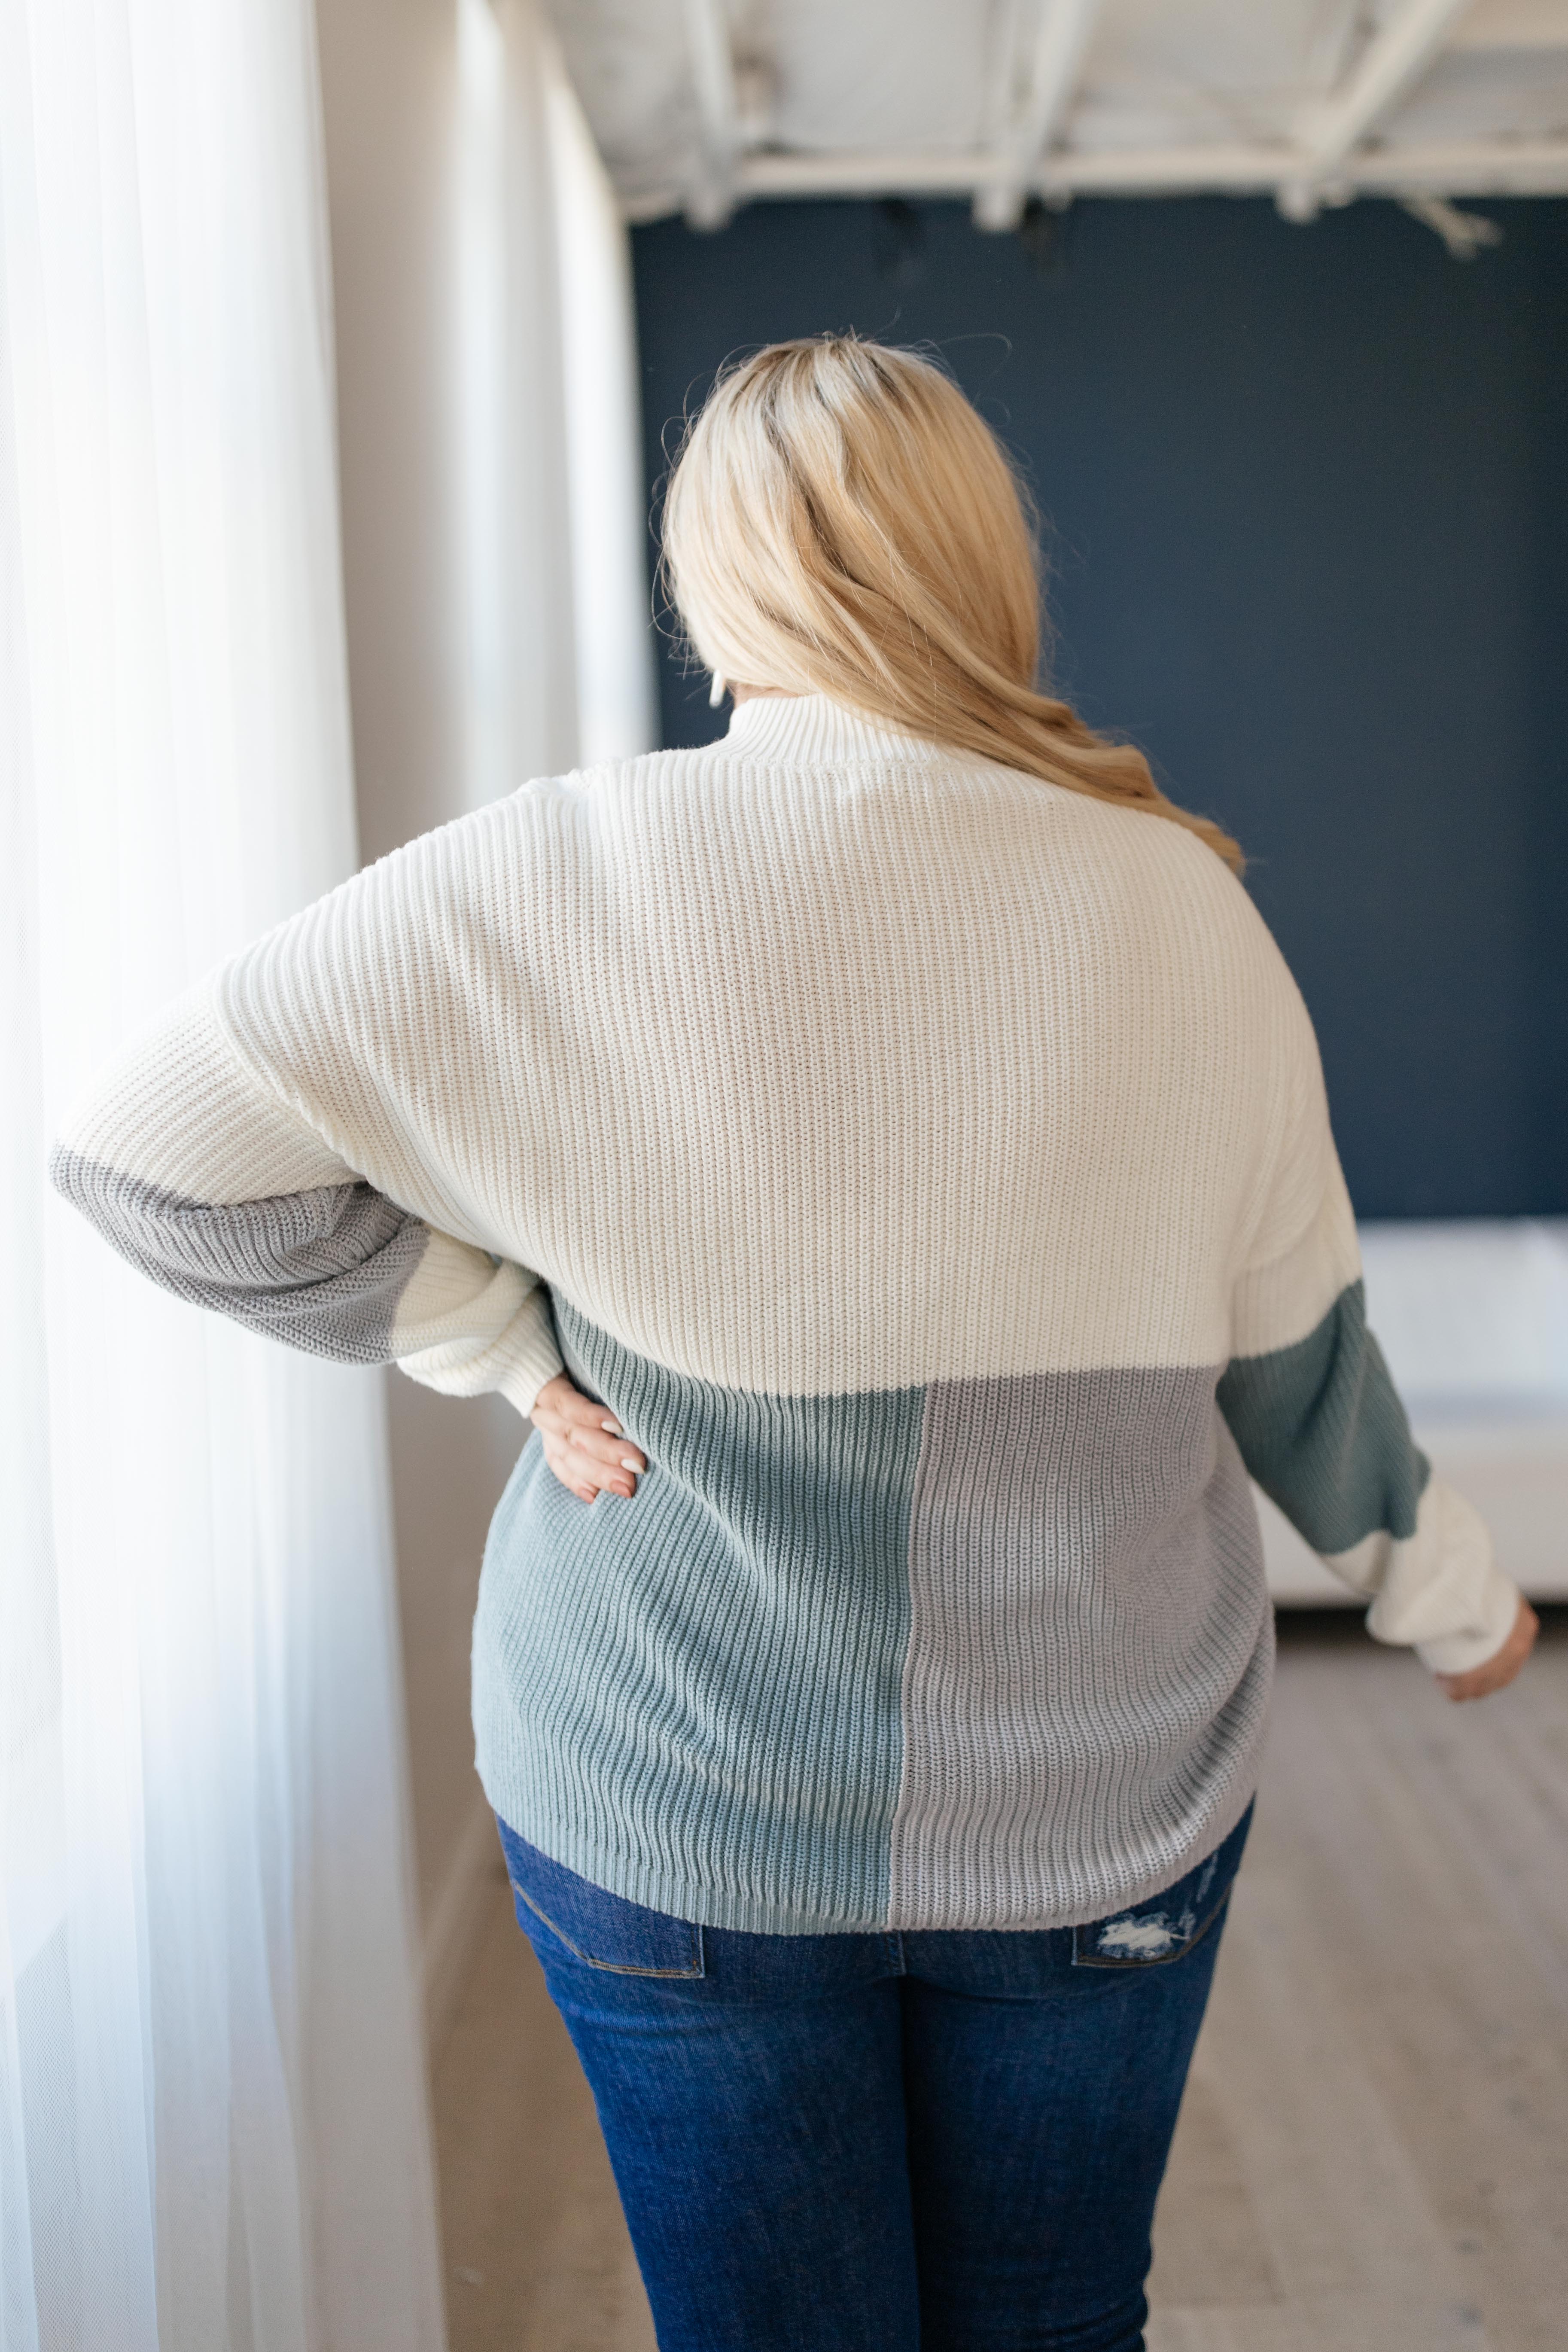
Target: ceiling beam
x,y
1396,56
1439,167
710,199
1064,31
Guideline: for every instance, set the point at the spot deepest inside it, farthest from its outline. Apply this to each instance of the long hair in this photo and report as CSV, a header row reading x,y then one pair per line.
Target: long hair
x,y
841,521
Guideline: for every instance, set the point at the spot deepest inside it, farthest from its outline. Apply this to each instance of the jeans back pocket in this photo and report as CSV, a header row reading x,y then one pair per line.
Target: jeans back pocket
x,y
600,1929
1165,1928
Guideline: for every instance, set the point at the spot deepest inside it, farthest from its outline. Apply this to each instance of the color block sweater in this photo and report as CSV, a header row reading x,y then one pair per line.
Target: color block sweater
x,y
930,1169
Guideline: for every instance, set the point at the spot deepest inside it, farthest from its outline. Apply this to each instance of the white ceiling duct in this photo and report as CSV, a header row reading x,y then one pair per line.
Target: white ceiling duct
x,y
699,105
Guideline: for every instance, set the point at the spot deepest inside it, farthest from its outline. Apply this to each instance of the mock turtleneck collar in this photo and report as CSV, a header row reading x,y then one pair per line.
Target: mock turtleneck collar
x,y
816,732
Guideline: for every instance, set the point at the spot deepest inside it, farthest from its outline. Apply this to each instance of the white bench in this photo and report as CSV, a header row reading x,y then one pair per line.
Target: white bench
x,y
1473,1319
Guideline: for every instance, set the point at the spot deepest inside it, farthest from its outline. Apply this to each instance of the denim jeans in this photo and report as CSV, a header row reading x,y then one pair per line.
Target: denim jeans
x,y
875,2143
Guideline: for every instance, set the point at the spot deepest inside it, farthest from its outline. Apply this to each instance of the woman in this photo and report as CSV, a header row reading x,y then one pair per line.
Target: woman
x,y
886,1153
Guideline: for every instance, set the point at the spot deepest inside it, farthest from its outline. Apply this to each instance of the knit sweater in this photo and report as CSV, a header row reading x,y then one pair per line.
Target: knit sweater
x,y
930,1169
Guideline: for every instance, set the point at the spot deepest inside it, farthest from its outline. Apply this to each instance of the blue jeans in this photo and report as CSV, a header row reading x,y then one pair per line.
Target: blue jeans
x,y
871,2143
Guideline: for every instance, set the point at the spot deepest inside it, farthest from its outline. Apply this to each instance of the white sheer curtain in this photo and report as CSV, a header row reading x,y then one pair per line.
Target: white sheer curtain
x,y
213,2130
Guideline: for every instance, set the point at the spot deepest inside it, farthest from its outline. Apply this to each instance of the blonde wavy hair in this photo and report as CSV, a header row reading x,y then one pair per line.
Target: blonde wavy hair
x,y
841,521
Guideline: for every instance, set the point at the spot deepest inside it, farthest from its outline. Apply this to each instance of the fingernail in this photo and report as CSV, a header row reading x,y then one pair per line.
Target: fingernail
x,y
628,1462
614,1427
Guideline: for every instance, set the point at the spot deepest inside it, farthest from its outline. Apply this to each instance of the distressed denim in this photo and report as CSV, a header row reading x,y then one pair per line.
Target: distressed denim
x,y
934,2142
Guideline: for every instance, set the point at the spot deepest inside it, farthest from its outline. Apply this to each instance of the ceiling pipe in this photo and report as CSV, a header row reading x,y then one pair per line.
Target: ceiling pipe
x,y
1395,57
1060,45
1444,168
1464,234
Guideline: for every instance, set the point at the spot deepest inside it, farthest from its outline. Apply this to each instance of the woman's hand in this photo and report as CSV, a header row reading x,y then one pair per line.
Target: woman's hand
x,y
582,1443
1499,1671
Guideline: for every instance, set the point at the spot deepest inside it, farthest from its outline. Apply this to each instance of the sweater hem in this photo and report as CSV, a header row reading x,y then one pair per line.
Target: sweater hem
x,y
637,1880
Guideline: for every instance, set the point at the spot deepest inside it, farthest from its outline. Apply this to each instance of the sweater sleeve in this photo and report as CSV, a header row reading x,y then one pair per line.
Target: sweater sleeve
x,y
1319,1424
192,1165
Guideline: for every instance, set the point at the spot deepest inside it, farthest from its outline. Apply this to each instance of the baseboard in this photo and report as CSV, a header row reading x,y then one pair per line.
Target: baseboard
x,y
456,1921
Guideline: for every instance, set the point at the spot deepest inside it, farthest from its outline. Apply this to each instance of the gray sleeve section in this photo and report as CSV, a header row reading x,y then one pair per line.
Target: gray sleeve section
x,y
1321,1429
322,1270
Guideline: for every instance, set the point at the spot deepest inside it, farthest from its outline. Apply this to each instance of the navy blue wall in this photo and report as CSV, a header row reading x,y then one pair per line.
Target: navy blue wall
x,y
1307,492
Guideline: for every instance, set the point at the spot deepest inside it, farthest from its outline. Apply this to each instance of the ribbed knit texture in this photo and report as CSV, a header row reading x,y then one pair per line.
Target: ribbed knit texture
x,y
907,1150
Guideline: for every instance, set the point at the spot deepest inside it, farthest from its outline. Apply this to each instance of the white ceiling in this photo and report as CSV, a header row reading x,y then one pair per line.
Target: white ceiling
x,y
699,105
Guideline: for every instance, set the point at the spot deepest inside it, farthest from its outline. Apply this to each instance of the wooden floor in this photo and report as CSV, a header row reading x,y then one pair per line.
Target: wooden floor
x,y
1374,2152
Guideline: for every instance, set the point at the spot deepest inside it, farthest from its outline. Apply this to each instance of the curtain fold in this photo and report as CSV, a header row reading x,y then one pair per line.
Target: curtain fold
x,y
213,2126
